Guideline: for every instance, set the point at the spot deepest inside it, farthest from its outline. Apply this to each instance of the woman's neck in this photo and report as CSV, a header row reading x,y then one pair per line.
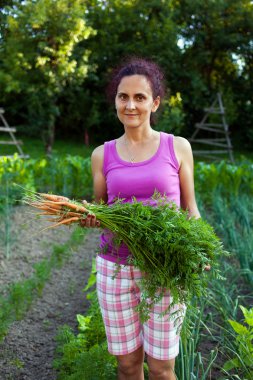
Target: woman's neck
x,y
136,135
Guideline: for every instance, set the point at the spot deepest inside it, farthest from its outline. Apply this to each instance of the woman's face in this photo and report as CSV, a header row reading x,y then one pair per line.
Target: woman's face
x,y
134,101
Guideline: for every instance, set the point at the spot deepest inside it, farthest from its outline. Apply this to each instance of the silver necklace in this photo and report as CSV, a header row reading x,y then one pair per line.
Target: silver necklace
x,y
131,158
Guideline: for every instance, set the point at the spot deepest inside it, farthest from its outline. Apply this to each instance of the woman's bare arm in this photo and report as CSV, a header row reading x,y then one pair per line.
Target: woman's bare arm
x,y
186,174
99,182
99,185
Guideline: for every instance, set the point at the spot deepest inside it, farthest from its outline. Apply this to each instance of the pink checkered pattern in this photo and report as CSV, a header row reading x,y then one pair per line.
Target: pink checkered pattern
x,y
118,294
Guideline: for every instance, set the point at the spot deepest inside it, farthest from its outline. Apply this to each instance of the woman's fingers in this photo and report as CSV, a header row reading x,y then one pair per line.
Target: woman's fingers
x,y
90,221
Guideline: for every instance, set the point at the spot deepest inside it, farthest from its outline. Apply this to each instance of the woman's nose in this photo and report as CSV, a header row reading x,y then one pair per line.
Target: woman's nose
x,y
130,104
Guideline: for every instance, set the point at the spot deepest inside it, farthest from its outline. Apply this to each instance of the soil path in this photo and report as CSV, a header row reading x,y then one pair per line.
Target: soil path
x,y
27,351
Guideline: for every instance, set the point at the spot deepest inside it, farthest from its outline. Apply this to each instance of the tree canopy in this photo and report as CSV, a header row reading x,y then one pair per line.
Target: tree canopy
x,y
39,58
59,54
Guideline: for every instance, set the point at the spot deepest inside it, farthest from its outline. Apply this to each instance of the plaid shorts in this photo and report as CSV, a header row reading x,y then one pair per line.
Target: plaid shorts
x,y
118,295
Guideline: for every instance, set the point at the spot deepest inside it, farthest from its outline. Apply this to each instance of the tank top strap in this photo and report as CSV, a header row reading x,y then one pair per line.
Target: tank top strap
x,y
168,147
109,147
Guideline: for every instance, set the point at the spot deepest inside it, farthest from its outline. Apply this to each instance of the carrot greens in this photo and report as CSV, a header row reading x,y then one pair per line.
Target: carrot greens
x,y
171,249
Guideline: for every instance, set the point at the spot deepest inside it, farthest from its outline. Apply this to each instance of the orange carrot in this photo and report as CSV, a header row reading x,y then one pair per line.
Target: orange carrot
x,y
53,197
53,205
70,213
47,213
41,207
65,222
74,207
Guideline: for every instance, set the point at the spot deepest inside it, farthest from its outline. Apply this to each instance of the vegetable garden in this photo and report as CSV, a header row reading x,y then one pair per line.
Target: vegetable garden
x,y
216,339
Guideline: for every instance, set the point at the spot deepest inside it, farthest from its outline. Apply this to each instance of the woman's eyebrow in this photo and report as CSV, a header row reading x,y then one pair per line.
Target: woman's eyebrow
x,y
137,94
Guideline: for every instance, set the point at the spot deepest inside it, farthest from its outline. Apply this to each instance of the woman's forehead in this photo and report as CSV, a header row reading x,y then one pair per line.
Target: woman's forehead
x,y
135,84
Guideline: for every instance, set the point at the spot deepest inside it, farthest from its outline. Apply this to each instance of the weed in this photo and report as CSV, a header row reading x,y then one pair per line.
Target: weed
x,y
242,346
17,363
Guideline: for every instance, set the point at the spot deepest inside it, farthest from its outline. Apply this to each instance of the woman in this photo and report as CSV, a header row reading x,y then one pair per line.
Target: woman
x,y
137,164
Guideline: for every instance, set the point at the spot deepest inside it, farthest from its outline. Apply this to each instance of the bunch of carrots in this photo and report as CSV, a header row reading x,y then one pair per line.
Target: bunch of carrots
x,y
60,209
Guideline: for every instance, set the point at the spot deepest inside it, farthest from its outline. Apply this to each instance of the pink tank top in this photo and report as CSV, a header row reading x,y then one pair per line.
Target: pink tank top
x,y
140,180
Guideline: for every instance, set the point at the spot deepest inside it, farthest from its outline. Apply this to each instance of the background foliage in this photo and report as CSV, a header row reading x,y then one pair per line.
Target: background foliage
x,y
55,60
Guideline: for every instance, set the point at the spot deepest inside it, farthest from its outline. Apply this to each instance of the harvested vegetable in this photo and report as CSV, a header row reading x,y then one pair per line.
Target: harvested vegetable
x,y
168,246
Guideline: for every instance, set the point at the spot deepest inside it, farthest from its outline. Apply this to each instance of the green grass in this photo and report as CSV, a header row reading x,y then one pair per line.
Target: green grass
x,y
34,147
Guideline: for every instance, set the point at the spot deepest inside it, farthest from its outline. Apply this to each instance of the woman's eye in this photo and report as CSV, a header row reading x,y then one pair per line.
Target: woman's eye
x,y
122,97
139,98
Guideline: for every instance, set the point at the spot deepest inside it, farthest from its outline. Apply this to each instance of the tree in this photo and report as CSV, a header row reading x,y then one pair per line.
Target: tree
x,y
217,55
40,56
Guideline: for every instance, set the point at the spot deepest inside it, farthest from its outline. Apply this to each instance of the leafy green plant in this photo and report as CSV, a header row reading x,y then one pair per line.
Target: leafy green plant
x,y
69,175
91,326
16,170
242,360
74,362
226,178
172,118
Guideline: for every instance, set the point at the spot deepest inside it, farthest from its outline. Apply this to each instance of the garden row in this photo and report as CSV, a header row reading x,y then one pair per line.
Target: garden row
x,y
71,176
22,289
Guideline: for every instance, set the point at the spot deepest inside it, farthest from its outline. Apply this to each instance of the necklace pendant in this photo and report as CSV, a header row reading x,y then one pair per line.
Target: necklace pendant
x,y
132,160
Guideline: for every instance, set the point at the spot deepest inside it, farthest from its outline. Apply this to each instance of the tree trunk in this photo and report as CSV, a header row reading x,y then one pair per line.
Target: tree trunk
x,y
86,137
49,141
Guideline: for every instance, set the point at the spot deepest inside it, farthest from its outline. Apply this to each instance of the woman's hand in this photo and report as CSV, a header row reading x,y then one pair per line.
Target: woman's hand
x,y
207,267
90,220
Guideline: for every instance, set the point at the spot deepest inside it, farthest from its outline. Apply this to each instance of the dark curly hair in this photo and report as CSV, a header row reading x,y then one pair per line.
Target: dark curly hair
x,y
137,66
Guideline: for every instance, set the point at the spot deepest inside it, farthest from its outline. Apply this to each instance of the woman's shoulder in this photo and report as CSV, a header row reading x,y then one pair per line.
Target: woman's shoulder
x,y
182,148
181,142
97,156
98,150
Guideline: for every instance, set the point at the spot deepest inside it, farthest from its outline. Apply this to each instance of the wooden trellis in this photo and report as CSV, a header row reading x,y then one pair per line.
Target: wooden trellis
x,y
4,127
220,140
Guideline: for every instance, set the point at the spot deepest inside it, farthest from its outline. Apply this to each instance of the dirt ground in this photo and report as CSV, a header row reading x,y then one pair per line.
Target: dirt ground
x,y
27,351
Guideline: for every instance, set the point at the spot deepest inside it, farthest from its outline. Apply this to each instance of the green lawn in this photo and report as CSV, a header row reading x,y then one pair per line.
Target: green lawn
x,y
35,149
